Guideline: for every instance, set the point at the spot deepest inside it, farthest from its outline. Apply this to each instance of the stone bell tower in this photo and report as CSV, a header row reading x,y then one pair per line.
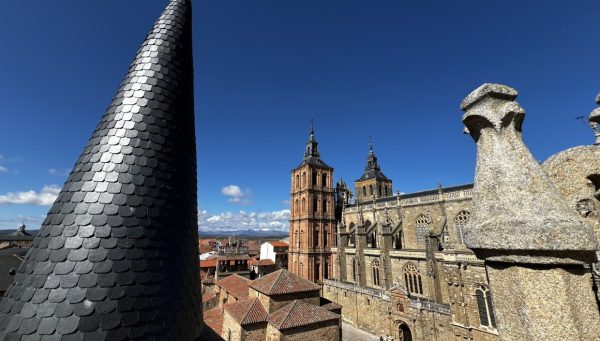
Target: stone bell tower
x,y
312,218
373,183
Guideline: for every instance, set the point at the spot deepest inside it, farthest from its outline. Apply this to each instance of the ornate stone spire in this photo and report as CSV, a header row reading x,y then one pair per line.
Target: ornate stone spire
x,y
536,248
311,153
517,211
594,120
116,257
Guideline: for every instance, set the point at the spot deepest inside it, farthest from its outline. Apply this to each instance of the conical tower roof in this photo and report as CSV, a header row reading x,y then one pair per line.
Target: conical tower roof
x,y
116,257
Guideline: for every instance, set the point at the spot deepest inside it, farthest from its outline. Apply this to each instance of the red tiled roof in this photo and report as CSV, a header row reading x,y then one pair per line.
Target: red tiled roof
x,y
331,306
283,282
209,296
208,263
214,319
265,262
299,313
236,285
247,311
279,243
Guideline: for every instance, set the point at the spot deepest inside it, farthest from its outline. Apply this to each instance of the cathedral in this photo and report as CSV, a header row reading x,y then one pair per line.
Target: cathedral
x,y
397,263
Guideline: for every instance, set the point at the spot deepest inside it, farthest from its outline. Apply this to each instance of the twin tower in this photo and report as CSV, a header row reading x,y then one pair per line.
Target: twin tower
x,y
316,208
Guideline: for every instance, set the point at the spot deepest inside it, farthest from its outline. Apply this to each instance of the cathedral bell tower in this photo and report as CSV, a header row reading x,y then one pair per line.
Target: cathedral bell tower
x,y
312,218
373,183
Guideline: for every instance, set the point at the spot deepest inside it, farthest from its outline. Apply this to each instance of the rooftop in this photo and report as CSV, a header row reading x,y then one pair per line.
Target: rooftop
x,y
214,319
279,244
283,282
298,314
247,311
236,285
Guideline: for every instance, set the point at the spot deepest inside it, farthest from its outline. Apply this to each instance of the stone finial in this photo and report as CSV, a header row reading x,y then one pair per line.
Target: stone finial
x,y
594,120
518,215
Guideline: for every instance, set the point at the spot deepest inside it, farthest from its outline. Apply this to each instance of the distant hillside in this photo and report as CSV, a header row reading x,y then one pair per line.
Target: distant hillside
x,y
243,233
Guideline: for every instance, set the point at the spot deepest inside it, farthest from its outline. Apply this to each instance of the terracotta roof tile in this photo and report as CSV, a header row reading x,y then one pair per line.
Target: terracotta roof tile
x,y
279,244
214,319
299,313
331,306
283,282
208,263
265,262
247,311
208,296
236,285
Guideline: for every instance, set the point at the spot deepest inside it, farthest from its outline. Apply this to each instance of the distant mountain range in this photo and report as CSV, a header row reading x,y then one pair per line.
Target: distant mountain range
x,y
217,233
243,233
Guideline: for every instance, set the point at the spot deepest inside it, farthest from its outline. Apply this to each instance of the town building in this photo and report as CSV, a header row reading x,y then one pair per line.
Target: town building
x,y
276,251
276,307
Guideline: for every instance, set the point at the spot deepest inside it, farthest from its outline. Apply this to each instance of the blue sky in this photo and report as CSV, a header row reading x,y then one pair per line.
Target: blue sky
x,y
394,70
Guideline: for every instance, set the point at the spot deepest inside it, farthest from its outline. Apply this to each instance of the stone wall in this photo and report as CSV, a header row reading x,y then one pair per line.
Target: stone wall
x,y
231,330
330,330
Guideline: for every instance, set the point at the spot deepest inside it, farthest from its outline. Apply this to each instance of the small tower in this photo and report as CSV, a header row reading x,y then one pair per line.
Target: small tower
x,y
373,183
312,218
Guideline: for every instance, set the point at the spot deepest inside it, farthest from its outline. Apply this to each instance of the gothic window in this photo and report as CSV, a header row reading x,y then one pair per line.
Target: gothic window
x,y
324,180
422,228
326,271
412,279
373,240
484,305
324,206
317,276
297,180
315,203
303,178
459,222
398,240
314,178
316,238
370,189
375,267
364,191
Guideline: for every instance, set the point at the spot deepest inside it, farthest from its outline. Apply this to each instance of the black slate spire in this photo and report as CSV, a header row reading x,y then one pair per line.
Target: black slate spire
x,y
116,257
372,169
311,153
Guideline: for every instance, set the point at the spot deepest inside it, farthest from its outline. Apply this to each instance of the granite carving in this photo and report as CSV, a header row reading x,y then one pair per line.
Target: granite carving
x,y
116,257
537,249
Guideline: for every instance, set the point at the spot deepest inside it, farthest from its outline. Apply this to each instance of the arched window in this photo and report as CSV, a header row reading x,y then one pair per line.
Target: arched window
x,y
364,191
315,203
303,178
317,269
397,240
324,205
326,270
484,305
375,267
422,228
462,218
324,180
372,240
314,178
370,189
412,279
316,238
380,192
297,180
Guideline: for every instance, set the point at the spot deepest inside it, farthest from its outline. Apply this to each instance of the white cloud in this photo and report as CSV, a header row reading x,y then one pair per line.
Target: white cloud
x,y
285,202
236,195
3,169
45,197
226,221
58,172
33,223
